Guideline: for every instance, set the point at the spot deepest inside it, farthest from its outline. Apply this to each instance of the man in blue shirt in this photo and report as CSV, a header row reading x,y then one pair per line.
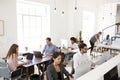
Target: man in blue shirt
x,y
107,40
49,48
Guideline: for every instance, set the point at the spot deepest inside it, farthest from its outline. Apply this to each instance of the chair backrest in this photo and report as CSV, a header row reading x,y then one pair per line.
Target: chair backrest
x,y
4,69
16,73
6,73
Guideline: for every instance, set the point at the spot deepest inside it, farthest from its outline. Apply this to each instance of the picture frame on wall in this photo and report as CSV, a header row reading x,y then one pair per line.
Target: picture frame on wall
x,y
1,27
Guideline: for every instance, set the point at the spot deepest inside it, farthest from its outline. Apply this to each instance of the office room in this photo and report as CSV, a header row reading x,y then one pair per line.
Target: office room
x,y
30,26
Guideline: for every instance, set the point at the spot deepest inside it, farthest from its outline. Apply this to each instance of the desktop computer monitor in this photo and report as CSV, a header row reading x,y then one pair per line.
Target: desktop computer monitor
x,y
112,74
64,43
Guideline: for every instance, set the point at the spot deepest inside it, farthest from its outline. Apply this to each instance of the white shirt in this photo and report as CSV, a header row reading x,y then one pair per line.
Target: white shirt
x,y
82,64
79,59
75,48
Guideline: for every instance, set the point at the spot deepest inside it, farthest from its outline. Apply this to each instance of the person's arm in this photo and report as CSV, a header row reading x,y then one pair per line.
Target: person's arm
x,y
49,74
15,60
70,78
97,39
92,63
66,72
50,54
53,50
43,49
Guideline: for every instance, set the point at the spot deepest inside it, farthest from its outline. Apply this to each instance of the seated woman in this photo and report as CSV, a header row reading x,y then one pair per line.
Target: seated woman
x,y
56,70
12,58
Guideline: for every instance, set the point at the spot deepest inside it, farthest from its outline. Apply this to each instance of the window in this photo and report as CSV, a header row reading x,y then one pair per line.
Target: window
x,y
33,24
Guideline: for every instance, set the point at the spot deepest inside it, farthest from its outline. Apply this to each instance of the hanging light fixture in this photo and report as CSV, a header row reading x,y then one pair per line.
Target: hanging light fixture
x,y
75,5
55,6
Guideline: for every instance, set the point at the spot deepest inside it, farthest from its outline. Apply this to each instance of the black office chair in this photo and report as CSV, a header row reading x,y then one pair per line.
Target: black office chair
x,y
7,74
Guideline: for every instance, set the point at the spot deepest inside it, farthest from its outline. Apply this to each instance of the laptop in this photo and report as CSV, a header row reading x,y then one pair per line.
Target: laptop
x,y
29,56
38,54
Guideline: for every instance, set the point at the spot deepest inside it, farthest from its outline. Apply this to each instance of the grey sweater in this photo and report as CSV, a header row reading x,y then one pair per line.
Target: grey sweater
x,y
52,74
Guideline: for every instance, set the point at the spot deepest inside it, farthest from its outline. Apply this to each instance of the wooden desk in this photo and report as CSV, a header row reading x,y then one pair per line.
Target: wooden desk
x,y
36,62
65,51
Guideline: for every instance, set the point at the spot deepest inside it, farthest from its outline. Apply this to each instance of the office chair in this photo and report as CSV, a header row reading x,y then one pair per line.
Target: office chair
x,y
7,74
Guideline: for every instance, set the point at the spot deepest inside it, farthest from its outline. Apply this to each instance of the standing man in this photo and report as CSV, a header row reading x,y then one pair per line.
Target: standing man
x,y
93,40
49,48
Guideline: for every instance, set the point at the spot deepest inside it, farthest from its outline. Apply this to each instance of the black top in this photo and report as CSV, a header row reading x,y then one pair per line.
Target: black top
x,y
52,74
59,76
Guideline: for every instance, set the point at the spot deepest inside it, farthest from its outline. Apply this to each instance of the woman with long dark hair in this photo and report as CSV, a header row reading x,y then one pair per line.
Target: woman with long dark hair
x,y
56,69
12,57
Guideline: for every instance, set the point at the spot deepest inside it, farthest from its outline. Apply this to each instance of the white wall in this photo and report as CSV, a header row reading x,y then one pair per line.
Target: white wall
x,y
75,18
106,18
95,6
8,14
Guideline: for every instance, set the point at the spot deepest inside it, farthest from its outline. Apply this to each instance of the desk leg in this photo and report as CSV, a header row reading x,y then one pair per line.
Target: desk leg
x,y
27,73
110,51
39,71
43,70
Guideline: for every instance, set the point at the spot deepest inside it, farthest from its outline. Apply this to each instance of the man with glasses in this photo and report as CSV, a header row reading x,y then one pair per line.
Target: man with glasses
x,y
81,61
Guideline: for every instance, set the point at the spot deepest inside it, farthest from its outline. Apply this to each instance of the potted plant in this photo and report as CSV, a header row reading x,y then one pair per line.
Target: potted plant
x,y
80,36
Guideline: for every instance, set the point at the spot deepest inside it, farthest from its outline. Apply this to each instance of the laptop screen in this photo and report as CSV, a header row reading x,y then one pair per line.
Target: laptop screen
x,y
29,56
38,54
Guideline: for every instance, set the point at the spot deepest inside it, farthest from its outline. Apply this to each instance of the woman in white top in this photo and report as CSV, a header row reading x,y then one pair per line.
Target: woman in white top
x,y
12,57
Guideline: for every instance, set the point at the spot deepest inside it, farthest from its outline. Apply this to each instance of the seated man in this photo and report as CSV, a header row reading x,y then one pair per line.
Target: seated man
x,y
107,40
81,62
48,50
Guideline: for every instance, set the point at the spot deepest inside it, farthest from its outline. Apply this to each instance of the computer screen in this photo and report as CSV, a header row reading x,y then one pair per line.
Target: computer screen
x,y
38,54
64,43
112,74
